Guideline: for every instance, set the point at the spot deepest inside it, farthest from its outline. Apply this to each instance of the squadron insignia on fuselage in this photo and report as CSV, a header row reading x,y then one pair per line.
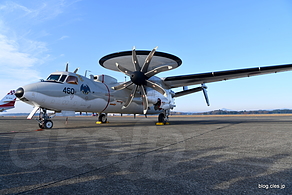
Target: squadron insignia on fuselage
x,y
85,89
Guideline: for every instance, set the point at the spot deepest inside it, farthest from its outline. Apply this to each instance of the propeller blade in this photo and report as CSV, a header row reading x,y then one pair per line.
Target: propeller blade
x,y
204,88
157,70
148,60
155,87
135,60
123,85
130,98
144,99
124,70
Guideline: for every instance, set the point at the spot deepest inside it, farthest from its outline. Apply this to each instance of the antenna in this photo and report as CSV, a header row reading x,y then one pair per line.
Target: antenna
x,y
76,70
67,67
86,72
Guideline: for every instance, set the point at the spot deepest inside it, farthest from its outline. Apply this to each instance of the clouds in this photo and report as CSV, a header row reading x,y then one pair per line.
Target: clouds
x,y
17,68
18,53
64,37
23,48
10,6
34,10
13,62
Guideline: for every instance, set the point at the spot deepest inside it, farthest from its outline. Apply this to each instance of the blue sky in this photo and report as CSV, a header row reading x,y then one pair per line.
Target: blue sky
x,y
39,37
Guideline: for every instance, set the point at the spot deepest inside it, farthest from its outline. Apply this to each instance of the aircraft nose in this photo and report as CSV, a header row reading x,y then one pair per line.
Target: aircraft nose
x,y
19,92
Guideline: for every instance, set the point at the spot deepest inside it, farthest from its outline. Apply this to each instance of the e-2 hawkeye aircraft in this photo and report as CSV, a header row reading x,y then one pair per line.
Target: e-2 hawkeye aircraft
x,y
144,93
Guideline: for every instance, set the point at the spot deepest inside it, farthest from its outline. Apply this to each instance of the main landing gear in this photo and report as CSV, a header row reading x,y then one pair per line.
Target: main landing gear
x,y
44,120
163,118
102,118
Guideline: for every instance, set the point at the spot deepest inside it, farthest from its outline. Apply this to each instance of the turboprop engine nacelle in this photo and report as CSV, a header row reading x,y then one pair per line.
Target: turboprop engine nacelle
x,y
160,103
153,100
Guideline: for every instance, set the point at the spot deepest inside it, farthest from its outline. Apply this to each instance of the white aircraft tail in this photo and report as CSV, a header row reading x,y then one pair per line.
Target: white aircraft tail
x,y
8,101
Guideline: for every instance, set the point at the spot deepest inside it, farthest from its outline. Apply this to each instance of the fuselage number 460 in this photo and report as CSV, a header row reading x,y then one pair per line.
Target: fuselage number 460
x,y
69,90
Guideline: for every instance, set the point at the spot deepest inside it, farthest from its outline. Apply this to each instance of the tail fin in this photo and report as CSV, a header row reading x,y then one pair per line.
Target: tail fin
x,y
9,99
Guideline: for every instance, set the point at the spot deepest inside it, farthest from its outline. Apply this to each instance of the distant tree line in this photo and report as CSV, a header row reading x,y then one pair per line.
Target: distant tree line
x,y
226,112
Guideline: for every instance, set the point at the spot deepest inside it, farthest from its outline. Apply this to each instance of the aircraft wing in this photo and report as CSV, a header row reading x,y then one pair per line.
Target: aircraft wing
x,y
193,79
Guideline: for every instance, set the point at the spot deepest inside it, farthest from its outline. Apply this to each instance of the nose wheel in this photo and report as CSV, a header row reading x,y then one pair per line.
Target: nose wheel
x,y
44,120
47,124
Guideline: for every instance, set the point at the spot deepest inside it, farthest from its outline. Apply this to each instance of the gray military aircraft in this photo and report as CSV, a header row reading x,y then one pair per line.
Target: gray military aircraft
x,y
144,93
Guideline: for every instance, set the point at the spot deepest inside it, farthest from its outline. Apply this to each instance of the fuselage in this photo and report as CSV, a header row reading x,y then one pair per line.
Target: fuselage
x,y
66,91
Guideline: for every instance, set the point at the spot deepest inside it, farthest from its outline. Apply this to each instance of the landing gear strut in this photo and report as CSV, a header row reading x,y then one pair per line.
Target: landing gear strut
x,y
102,118
44,122
163,118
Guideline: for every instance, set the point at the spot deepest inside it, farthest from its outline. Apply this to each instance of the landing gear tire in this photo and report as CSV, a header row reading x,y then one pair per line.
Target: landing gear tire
x,y
161,117
102,118
41,125
44,122
47,124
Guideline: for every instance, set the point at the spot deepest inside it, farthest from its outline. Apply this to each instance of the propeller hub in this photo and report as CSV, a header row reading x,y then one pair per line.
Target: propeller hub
x,y
138,78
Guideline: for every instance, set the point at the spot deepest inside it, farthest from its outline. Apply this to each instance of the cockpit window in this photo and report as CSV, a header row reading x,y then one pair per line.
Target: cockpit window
x,y
56,78
53,77
72,80
62,79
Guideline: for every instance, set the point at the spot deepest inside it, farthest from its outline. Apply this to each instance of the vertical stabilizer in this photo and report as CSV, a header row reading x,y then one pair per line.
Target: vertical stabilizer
x,y
9,97
8,101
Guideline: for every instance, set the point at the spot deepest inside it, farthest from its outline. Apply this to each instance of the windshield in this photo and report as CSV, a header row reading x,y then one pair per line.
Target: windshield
x,y
57,78
62,79
53,77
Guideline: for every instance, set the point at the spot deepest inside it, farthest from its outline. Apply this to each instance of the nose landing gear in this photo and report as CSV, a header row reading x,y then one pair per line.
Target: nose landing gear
x,y
46,124
44,120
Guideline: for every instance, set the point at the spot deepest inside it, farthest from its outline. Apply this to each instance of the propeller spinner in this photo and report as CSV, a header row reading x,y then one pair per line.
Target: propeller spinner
x,y
139,75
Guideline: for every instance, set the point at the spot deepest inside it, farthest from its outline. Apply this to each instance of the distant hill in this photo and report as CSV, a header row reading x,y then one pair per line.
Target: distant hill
x,y
14,114
232,112
222,111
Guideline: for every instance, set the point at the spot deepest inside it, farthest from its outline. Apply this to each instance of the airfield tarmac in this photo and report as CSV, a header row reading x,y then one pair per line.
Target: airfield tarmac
x,y
192,155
